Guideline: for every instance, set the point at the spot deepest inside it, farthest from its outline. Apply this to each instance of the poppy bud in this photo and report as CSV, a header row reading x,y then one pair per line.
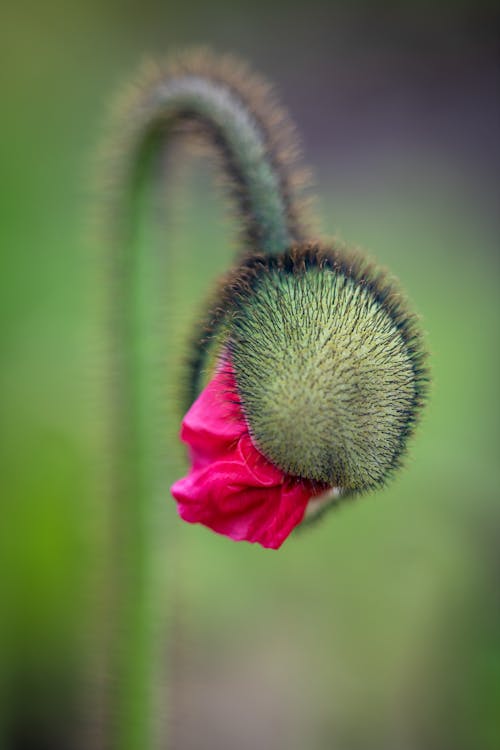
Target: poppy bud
x,y
308,373
328,364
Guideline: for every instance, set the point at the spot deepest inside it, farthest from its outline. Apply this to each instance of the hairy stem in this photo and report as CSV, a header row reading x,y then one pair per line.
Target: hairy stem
x,y
251,134
253,140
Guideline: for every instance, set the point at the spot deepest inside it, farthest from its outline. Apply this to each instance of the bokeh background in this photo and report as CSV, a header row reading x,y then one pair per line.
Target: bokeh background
x,y
378,629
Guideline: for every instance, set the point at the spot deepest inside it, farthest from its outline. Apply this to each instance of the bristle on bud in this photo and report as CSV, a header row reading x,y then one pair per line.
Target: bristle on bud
x,y
329,363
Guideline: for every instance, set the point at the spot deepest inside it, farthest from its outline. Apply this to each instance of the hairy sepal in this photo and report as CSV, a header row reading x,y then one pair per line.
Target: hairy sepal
x,y
329,363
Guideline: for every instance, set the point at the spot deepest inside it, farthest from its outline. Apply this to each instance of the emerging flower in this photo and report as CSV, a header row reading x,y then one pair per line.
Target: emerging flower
x,y
317,365
319,383
232,488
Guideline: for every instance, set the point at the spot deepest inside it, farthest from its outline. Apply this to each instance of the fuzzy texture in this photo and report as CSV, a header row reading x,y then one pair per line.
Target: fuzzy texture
x,y
221,100
216,99
329,363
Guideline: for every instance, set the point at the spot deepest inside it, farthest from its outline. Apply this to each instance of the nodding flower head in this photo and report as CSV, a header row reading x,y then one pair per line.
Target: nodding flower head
x,y
324,378
308,372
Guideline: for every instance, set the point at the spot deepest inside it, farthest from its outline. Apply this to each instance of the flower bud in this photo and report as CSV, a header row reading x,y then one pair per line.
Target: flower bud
x,y
328,364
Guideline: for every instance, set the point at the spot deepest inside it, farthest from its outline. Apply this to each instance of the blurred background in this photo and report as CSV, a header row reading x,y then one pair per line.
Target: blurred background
x,y
378,629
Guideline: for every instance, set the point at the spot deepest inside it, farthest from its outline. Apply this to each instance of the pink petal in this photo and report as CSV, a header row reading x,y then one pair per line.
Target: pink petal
x,y
232,488
220,497
215,420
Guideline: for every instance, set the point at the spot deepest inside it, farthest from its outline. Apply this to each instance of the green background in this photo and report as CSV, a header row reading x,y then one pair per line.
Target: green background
x,y
380,627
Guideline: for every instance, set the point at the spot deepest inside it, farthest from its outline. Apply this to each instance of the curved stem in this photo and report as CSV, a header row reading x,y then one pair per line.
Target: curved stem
x,y
252,137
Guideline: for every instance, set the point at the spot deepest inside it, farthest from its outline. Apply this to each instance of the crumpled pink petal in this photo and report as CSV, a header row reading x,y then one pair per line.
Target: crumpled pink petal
x,y
231,487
